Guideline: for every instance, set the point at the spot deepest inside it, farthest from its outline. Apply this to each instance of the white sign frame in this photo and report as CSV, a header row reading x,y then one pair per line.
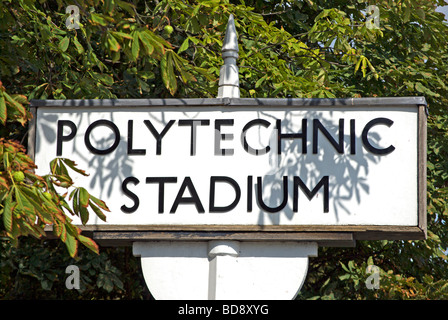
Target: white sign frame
x,y
360,117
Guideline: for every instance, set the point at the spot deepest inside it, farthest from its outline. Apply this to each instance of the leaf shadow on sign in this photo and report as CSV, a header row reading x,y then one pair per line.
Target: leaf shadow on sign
x,y
347,173
104,170
110,171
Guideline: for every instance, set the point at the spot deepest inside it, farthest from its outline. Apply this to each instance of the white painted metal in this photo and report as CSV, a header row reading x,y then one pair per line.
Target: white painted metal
x,y
225,270
228,75
362,187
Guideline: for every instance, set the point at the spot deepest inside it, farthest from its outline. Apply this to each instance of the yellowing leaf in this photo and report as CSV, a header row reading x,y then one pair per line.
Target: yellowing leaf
x,y
113,43
99,203
89,243
16,106
98,19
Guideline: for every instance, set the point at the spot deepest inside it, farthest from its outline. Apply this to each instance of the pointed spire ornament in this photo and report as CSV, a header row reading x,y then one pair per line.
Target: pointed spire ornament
x,y
229,85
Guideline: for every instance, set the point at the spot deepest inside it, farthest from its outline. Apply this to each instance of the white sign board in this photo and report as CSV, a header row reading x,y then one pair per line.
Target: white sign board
x,y
209,166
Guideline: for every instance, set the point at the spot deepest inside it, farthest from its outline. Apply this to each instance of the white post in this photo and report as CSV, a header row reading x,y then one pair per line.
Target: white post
x,y
223,253
231,270
222,256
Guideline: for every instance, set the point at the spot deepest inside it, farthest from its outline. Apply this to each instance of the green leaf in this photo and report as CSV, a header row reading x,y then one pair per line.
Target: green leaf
x,y
364,66
419,87
260,81
63,44
135,47
75,203
126,6
3,111
38,204
344,267
97,211
84,214
358,64
23,203
345,277
84,197
421,13
121,35
105,78
183,47
78,45
168,76
7,212
180,66
407,13
146,41
351,265
71,244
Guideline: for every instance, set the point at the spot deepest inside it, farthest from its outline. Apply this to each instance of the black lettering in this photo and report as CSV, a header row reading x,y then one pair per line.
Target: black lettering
x,y
246,146
132,151
193,124
193,199
130,194
98,123
235,186
302,135
352,137
222,137
60,134
161,181
339,146
249,193
260,196
158,135
365,139
324,182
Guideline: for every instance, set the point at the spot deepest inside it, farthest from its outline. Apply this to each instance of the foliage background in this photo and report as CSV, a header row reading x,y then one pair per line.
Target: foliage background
x,y
302,48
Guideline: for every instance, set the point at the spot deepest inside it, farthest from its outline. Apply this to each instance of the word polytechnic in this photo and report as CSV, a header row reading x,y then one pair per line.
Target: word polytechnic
x,y
225,138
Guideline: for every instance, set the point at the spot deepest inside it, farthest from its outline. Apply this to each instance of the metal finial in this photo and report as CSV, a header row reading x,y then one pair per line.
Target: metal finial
x,y
228,75
231,39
